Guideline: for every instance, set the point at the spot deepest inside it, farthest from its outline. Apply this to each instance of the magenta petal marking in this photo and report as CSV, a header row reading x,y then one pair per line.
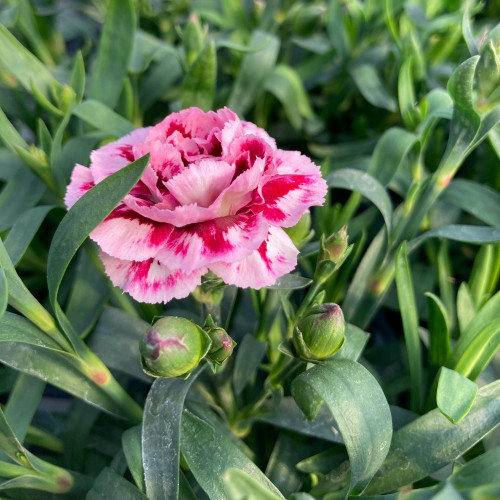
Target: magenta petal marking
x,y
165,160
287,197
149,281
226,239
126,235
81,182
275,257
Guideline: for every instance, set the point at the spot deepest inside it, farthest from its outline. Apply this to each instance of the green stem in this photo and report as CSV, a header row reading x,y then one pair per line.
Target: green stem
x,y
214,310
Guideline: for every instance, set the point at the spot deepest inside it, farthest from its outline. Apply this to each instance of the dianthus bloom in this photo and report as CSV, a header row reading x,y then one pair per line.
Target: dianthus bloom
x,y
215,196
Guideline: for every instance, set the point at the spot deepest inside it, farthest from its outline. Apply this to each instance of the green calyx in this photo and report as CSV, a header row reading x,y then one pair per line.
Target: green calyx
x,y
173,347
321,333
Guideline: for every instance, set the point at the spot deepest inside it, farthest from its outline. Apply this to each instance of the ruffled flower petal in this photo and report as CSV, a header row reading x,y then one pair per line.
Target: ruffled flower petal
x,y
81,182
297,187
201,183
126,235
116,155
149,281
275,257
165,160
242,191
226,239
169,213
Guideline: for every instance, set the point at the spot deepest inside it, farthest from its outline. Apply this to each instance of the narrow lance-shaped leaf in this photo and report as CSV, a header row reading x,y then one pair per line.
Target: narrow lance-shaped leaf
x,y
466,309
89,211
132,448
474,198
103,118
253,71
439,333
409,315
482,335
19,61
466,234
161,429
4,292
115,51
23,403
24,230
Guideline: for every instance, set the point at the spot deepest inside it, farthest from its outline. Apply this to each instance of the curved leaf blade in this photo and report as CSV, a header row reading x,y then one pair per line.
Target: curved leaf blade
x,y
241,486
352,395
161,429
430,442
368,186
476,235
455,395
209,454
474,198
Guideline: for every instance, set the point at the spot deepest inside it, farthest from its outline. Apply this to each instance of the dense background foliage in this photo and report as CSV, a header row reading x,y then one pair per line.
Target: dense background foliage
x,y
399,103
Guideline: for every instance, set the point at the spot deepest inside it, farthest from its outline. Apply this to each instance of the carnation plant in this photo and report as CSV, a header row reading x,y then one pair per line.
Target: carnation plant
x,y
249,250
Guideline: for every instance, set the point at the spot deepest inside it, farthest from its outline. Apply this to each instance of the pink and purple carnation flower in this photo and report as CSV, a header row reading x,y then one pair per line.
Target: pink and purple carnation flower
x,y
215,196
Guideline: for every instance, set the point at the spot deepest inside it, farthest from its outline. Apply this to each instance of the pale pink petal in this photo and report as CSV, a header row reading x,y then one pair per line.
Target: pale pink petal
x,y
114,156
226,239
187,122
236,132
165,160
226,115
242,191
292,162
81,182
149,281
201,183
275,257
251,128
126,235
168,212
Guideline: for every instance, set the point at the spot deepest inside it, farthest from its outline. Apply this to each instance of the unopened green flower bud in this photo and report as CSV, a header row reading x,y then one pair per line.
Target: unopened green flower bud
x,y
321,333
335,246
222,345
211,290
332,254
194,39
173,347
